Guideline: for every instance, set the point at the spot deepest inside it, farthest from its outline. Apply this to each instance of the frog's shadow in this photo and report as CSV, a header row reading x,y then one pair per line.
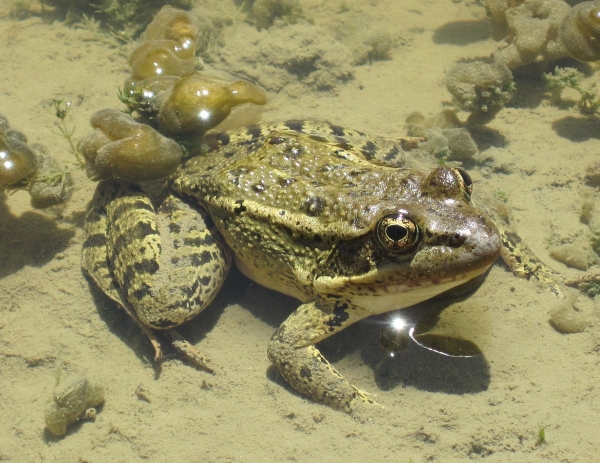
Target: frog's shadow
x,y
121,325
414,366
31,239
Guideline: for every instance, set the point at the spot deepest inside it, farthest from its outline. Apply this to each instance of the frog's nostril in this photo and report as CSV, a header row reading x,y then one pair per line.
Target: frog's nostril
x,y
456,240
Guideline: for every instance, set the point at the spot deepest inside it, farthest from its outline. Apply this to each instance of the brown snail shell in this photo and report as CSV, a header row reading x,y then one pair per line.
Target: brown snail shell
x,y
580,31
168,48
17,161
122,148
198,103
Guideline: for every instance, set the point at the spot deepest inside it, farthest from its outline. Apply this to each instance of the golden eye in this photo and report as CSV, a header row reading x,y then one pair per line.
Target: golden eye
x,y
464,180
398,233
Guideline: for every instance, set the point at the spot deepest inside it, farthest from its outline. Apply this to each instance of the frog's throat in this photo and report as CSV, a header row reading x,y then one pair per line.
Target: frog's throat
x,y
393,296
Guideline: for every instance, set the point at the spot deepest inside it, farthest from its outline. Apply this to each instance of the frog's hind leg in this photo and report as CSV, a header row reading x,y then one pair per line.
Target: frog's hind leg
x,y
168,266
292,350
94,258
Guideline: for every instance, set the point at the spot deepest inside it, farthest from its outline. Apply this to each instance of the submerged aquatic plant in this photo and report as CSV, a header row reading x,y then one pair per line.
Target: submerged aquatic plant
x,y
563,78
265,13
595,241
124,19
591,288
541,438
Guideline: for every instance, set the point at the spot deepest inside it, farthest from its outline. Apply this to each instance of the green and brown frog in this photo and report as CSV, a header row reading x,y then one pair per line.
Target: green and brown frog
x,y
321,213
313,211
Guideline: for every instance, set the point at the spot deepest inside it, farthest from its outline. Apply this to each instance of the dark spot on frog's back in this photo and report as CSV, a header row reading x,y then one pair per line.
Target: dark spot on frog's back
x,y
392,154
369,149
200,259
239,207
195,241
305,373
95,241
146,266
337,130
163,323
277,140
223,138
135,205
141,230
295,125
254,131
339,315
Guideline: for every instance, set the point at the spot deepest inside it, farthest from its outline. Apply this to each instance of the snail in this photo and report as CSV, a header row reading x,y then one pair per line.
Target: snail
x,y
17,160
121,148
168,48
580,31
198,103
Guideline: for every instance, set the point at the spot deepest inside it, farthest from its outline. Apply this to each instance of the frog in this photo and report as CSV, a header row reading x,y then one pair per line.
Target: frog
x,y
327,215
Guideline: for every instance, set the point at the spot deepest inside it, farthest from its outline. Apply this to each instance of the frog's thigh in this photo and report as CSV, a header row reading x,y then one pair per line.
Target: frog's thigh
x,y
94,259
291,349
169,266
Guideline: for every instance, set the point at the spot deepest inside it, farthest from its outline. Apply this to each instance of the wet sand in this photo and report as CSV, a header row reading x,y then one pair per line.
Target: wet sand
x,y
436,409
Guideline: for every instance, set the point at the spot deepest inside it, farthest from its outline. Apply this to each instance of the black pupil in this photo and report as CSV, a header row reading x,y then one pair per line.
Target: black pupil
x,y
396,232
466,178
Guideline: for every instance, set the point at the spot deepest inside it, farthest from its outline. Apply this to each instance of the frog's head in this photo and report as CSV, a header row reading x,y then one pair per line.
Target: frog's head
x,y
427,239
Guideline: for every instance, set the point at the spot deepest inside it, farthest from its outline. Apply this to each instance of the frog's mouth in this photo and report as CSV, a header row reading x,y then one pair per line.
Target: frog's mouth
x,y
400,296
378,293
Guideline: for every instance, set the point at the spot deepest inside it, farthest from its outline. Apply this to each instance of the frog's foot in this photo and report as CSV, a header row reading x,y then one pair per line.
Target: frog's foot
x,y
291,349
186,350
307,371
149,332
518,257
583,280
524,263
158,353
189,352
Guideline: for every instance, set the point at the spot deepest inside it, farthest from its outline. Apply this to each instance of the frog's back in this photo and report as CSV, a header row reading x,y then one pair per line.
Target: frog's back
x,y
283,196
321,173
379,150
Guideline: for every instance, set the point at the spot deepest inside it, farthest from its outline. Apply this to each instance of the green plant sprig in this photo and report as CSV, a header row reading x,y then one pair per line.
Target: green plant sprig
x,y
562,78
62,109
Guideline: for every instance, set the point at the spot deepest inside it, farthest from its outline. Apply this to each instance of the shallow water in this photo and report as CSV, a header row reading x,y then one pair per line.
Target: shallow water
x,y
436,409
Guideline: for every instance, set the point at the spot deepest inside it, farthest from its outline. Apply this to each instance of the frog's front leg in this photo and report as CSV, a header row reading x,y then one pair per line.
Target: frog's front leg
x,y
292,350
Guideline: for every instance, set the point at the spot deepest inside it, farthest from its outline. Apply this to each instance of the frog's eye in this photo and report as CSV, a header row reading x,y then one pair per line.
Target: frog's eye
x,y
465,180
398,233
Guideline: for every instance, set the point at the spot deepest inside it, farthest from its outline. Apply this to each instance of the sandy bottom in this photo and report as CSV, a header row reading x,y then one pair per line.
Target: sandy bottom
x,y
436,409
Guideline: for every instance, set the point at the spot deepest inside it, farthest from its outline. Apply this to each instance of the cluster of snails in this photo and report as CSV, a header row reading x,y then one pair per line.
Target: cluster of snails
x,y
167,92
30,167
